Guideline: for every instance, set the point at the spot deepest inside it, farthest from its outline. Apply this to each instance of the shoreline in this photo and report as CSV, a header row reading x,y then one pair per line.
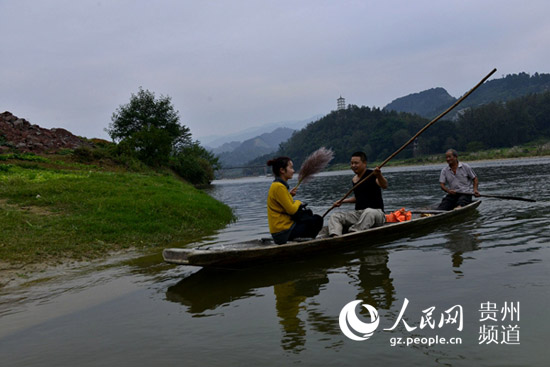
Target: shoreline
x,y
21,275
341,167
60,215
13,275
461,157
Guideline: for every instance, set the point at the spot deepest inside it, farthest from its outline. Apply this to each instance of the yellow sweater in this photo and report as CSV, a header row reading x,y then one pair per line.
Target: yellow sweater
x,y
280,206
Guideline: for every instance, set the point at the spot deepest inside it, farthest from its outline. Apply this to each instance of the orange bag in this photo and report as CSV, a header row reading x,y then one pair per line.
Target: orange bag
x,y
400,215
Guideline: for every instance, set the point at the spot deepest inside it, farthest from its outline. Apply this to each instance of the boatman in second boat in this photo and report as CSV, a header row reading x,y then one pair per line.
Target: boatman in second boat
x,y
369,206
458,180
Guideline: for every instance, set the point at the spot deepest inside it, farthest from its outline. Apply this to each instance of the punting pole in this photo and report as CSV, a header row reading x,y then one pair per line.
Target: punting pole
x,y
416,136
499,197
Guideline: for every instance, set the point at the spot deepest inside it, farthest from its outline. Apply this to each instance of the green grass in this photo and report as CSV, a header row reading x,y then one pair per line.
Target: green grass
x,y
534,149
49,215
23,157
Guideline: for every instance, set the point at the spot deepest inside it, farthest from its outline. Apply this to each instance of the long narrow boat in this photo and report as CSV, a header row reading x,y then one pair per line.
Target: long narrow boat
x,y
256,251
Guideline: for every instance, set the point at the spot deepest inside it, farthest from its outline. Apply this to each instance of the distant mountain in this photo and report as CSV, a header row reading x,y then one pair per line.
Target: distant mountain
x,y
252,148
432,102
379,133
212,142
426,103
226,147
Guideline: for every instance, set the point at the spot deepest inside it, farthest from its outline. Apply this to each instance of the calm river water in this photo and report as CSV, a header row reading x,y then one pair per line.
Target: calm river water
x,y
489,272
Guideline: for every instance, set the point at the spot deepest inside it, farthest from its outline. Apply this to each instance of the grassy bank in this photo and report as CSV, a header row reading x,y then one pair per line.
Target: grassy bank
x,y
537,149
54,209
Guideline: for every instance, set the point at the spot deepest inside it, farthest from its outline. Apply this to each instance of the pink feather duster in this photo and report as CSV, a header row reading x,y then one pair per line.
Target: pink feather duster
x,y
314,163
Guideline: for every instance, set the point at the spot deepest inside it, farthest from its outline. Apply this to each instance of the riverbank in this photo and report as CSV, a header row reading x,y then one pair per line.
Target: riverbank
x,y
289,310
56,210
532,150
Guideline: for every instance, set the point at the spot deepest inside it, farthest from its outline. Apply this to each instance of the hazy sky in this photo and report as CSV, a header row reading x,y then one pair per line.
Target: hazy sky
x,y
229,65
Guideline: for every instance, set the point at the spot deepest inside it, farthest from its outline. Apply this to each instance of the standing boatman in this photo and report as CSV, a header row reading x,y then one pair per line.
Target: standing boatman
x,y
461,180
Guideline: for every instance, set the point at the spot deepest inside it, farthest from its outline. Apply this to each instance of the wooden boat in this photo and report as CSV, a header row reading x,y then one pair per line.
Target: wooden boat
x,y
256,251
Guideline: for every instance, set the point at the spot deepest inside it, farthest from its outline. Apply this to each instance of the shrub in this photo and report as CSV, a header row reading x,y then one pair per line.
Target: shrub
x,y
195,170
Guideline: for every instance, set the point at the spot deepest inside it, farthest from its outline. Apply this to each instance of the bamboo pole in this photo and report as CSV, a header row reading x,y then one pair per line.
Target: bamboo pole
x,y
416,136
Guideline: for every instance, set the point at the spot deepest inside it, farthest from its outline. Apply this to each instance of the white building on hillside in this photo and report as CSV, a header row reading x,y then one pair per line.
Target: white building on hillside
x,y
341,103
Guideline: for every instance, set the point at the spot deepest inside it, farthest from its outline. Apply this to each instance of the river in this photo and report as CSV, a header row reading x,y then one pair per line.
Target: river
x,y
472,292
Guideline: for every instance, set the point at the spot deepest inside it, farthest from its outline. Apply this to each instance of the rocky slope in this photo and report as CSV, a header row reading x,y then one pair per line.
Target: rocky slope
x,y
19,133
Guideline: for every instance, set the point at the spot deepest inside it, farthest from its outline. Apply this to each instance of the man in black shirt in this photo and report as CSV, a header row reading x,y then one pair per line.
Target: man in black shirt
x,y
369,206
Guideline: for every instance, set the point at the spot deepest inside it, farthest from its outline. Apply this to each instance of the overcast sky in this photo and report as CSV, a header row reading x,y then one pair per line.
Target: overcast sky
x,y
230,65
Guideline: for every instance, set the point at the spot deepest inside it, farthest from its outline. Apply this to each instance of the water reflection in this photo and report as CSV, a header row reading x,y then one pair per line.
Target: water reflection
x,y
295,286
298,287
375,284
460,243
287,313
291,298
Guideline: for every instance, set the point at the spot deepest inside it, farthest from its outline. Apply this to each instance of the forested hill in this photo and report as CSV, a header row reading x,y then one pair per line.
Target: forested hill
x,y
379,132
432,102
428,103
372,130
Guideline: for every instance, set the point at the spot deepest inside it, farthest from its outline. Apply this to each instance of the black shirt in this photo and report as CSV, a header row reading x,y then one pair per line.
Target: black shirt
x,y
368,194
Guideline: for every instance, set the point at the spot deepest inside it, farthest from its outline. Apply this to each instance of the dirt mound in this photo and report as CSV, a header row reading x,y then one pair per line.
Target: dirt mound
x,y
18,133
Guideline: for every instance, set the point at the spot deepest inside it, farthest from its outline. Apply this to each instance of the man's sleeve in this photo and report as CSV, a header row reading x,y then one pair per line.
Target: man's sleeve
x,y
470,171
442,178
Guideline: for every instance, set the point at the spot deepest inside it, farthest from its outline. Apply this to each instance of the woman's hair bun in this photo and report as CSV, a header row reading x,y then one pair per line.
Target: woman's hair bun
x,y
277,164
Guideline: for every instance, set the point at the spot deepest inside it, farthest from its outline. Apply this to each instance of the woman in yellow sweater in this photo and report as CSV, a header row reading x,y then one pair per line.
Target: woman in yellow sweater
x,y
281,206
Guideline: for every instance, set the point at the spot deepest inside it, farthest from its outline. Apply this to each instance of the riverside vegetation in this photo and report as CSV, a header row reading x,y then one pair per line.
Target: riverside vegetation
x,y
78,206
54,208
101,197
501,114
539,148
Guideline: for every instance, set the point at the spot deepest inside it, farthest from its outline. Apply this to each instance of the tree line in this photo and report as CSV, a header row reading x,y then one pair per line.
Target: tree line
x,y
148,129
501,125
380,132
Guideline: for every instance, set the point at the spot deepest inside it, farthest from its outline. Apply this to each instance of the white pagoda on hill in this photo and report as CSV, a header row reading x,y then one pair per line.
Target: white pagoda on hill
x,y
341,103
